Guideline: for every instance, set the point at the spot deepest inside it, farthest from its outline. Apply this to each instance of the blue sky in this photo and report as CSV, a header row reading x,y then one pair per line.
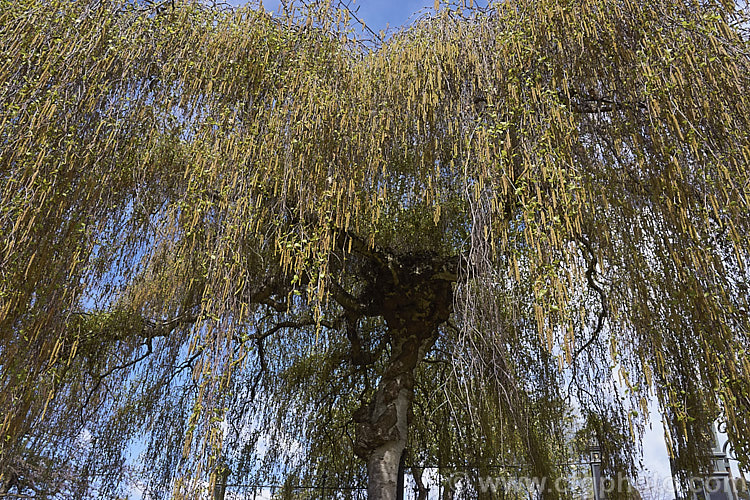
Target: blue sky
x,y
377,14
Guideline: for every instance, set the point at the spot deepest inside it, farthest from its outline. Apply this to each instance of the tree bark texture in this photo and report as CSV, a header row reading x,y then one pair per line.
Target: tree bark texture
x,y
415,303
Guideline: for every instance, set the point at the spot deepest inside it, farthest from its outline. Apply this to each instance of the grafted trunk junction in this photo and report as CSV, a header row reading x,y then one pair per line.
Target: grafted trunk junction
x,y
415,302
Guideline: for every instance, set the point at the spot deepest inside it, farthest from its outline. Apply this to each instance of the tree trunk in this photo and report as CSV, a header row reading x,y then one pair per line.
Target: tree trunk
x,y
382,471
413,309
422,490
383,424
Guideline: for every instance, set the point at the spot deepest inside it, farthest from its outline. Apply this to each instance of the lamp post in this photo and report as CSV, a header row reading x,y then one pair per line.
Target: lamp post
x,y
595,460
719,485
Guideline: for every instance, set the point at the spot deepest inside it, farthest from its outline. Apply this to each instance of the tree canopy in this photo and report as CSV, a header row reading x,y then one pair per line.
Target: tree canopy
x,y
253,245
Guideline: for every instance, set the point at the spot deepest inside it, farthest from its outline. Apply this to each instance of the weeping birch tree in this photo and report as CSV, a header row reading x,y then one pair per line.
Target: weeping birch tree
x,y
258,249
